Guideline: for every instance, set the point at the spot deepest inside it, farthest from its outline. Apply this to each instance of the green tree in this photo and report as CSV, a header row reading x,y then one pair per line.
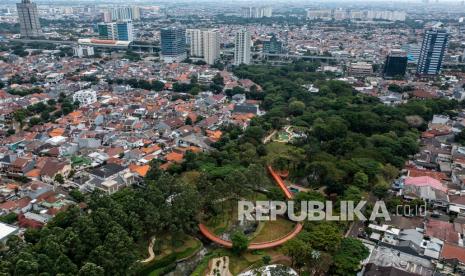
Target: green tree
x,y
19,115
361,180
158,85
381,189
460,137
45,116
91,269
298,250
34,121
296,108
347,259
218,80
240,242
77,195
323,236
266,260
59,178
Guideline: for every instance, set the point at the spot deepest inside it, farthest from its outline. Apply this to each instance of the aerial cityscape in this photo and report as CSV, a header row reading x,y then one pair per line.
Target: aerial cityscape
x,y
220,138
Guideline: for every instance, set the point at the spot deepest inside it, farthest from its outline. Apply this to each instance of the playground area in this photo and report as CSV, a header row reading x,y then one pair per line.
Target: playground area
x,y
286,135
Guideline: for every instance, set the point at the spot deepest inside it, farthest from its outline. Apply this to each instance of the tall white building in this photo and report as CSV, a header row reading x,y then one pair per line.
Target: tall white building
x,y
122,14
28,16
194,39
256,12
204,43
242,47
83,51
211,46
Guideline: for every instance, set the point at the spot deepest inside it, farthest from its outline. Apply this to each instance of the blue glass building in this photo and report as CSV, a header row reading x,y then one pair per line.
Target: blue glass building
x,y
121,30
432,52
173,44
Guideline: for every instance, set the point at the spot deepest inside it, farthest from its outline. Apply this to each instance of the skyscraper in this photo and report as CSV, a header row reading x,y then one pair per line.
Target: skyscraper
x,y
122,14
173,44
242,47
194,39
211,45
396,64
28,19
256,12
204,43
273,46
121,30
432,52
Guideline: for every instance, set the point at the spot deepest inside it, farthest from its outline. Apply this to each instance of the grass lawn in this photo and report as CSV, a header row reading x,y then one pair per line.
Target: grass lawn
x,y
273,230
276,149
178,246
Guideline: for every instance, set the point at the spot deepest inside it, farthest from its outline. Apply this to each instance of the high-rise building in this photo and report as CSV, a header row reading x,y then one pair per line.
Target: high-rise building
x,y
256,12
83,51
242,47
211,45
273,46
432,51
28,19
195,41
396,64
204,43
122,14
340,14
173,44
121,30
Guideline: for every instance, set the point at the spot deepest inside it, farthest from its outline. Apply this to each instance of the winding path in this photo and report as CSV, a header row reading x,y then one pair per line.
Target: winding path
x,y
259,245
151,253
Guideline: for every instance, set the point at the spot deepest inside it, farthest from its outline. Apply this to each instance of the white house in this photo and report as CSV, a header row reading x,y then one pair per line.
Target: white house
x,y
85,97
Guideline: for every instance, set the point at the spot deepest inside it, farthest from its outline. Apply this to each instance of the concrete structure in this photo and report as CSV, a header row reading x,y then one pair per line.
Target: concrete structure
x,y
121,30
194,39
204,43
28,18
85,97
337,14
173,44
102,43
395,65
6,231
211,46
121,13
83,51
242,54
432,52
256,12
273,46
360,69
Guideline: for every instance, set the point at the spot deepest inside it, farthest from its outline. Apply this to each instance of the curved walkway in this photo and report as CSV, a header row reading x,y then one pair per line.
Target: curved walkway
x,y
280,183
151,253
261,245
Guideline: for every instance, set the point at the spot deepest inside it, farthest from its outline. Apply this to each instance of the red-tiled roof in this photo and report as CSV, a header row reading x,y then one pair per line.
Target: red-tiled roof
x,y
442,230
450,252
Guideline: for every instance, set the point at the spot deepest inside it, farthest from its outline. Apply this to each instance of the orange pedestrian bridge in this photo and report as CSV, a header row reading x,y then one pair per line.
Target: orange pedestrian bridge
x,y
259,245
